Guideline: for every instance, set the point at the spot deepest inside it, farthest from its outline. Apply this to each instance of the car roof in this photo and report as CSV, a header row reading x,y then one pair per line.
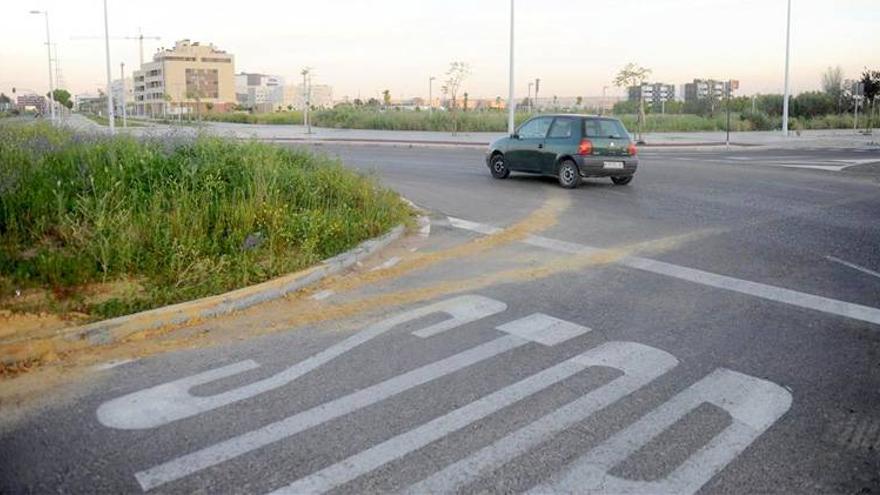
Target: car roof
x,y
576,115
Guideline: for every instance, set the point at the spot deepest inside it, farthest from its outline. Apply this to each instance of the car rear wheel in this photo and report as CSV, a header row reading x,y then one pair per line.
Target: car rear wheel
x,y
622,181
569,177
499,167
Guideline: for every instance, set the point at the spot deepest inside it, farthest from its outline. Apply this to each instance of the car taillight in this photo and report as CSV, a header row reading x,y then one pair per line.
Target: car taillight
x,y
586,147
631,150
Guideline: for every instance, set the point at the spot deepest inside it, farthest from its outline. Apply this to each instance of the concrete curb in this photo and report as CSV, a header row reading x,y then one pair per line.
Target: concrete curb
x,y
118,329
108,331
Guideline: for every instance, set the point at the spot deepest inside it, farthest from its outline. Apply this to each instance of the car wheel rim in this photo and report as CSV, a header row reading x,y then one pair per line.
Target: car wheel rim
x,y
567,174
499,166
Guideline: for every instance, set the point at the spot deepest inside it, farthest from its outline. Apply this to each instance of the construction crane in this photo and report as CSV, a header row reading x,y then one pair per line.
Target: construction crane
x,y
139,38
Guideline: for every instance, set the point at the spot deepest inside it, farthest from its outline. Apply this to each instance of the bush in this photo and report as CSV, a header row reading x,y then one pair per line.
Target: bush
x,y
185,218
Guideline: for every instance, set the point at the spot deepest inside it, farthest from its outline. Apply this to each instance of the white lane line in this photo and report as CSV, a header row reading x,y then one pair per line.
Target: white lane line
x,y
324,294
163,404
112,364
756,289
287,427
753,404
639,363
387,264
853,266
395,448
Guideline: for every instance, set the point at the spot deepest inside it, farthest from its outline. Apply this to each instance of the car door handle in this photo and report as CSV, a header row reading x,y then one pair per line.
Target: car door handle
x,y
541,146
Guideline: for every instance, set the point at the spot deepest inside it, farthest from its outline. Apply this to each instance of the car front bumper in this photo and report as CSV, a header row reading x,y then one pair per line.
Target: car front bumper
x,y
594,166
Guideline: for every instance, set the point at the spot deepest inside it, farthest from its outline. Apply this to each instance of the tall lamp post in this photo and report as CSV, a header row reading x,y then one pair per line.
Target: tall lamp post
x,y
785,96
511,104
51,100
431,93
122,94
110,114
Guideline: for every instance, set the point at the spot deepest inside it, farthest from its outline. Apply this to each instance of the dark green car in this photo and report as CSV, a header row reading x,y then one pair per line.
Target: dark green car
x,y
568,147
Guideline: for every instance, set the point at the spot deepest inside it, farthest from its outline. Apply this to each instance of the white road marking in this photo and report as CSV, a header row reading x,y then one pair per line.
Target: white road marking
x,y
543,329
756,289
387,264
324,294
424,226
112,364
639,363
279,430
163,404
753,404
853,266
621,354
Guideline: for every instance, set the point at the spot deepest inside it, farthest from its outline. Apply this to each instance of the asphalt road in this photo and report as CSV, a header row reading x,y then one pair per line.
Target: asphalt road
x,y
713,327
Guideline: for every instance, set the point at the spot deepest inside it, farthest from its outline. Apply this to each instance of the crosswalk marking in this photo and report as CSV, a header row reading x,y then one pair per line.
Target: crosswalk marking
x,y
172,401
639,363
271,433
753,404
395,448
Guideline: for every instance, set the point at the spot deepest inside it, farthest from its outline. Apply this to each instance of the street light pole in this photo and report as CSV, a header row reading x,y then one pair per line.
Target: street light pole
x,y
511,104
431,93
785,95
529,97
51,99
122,94
110,113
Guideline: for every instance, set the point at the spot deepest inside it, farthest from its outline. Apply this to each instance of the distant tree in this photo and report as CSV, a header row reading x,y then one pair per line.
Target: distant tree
x,y
209,106
386,97
455,76
555,101
497,102
358,102
832,84
465,101
579,100
289,108
634,75
871,81
372,102
812,104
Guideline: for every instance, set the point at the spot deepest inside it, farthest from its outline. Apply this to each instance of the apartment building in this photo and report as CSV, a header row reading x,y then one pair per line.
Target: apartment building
x,y
652,93
190,77
702,89
118,88
321,96
260,92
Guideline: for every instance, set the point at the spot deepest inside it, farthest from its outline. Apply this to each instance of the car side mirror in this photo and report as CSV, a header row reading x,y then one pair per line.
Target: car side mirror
x,y
514,136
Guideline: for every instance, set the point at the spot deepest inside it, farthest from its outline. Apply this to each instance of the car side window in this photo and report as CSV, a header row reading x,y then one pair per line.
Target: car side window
x,y
535,128
561,128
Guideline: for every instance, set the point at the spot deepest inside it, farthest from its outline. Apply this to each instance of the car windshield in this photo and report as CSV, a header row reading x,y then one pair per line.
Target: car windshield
x,y
604,128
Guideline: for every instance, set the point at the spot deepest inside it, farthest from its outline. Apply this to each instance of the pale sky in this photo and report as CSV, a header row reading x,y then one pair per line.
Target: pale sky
x,y
361,47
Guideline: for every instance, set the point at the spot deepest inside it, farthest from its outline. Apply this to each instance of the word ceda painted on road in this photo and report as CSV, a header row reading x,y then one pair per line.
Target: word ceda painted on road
x,y
753,406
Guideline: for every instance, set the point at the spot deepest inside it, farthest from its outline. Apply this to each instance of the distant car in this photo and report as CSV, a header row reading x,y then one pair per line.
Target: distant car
x,y
568,147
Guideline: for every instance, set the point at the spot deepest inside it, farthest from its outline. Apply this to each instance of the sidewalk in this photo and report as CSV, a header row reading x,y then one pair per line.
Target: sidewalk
x,y
835,138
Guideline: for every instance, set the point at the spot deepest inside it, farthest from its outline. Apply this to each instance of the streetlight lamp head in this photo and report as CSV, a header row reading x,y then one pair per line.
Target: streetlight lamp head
x,y
36,12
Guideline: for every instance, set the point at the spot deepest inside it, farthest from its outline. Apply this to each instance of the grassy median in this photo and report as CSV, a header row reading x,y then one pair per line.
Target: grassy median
x,y
109,226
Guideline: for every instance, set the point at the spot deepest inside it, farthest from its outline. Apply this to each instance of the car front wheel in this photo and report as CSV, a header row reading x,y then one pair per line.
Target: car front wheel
x,y
499,167
622,181
569,177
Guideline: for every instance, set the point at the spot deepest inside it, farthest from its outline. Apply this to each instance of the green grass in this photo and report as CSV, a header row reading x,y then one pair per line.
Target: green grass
x,y
183,219
100,120
276,118
345,117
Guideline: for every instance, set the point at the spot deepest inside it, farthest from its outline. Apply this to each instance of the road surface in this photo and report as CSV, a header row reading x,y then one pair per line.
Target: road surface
x,y
713,327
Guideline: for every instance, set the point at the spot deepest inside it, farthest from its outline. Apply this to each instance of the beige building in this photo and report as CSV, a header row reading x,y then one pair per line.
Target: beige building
x,y
320,96
188,78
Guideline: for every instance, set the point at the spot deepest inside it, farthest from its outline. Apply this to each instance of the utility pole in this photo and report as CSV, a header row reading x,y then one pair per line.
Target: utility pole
x,y
537,86
431,93
122,94
307,98
110,113
604,99
529,97
785,93
727,104
51,99
511,103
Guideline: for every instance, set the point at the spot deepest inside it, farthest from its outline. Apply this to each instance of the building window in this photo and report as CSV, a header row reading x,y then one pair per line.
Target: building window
x,y
202,83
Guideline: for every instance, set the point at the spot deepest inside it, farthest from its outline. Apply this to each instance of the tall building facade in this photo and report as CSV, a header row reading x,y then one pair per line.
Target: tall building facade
x,y
260,92
190,77
652,93
702,89
320,96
